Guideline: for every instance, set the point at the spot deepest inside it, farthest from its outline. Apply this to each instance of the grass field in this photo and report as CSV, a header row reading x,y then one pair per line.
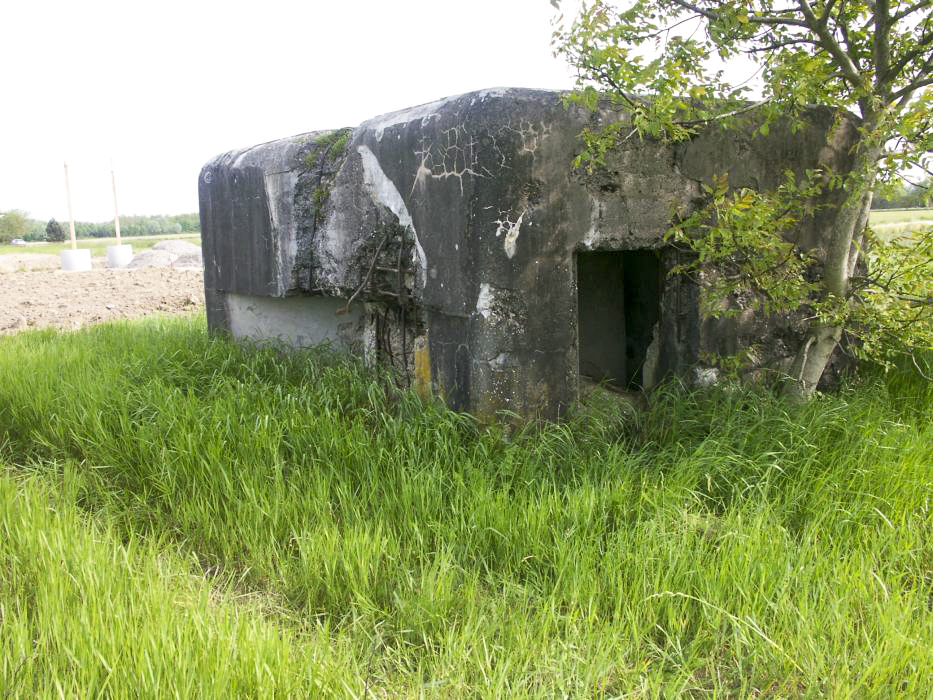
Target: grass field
x,y
889,222
98,246
181,517
900,216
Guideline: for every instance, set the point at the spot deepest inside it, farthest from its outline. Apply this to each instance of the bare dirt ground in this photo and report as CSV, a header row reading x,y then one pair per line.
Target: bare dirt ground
x,y
30,261
37,294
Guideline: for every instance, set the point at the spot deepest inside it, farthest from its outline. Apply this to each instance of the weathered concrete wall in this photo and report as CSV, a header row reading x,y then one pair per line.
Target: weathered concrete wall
x,y
298,321
457,224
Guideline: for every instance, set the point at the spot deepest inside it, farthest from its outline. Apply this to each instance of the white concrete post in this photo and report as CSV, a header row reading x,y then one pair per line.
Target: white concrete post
x,y
118,255
74,260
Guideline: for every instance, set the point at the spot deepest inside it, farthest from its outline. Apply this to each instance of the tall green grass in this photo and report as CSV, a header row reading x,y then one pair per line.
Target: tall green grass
x,y
717,543
88,612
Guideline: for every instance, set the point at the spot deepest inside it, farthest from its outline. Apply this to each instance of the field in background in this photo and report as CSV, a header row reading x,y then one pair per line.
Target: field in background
x,y
98,246
891,222
180,516
900,216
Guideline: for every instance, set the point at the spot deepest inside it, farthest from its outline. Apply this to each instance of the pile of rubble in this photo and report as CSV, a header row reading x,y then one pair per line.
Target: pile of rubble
x,y
180,255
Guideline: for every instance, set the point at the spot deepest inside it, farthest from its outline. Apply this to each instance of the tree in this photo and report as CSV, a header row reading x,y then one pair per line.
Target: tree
x,y
905,195
54,232
13,224
874,57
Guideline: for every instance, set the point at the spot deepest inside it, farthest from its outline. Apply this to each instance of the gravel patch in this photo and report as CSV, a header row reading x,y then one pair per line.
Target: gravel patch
x,y
178,247
151,258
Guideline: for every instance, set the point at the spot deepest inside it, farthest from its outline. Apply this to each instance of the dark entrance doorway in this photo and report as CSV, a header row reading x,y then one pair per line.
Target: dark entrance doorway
x,y
618,305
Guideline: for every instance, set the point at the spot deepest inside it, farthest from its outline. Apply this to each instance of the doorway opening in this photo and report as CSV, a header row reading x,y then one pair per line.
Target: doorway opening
x,y
618,306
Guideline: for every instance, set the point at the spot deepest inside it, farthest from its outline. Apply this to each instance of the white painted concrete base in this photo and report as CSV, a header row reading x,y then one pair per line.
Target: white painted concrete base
x,y
300,322
76,260
119,255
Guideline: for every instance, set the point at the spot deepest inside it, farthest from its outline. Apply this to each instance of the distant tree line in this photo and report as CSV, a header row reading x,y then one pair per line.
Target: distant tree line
x,y
905,196
17,224
140,226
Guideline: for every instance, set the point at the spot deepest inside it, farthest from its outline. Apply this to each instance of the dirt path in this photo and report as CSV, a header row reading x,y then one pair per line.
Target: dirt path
x,y
70,300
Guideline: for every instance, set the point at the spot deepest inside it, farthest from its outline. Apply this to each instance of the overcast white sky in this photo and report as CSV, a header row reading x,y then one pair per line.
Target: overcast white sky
x,y
161,87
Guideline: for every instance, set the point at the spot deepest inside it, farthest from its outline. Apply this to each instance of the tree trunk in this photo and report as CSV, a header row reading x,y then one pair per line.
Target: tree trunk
x,y
810,362
838,265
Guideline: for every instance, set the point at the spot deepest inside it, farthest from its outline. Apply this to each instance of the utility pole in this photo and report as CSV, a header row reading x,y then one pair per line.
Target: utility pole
x,y
71,218
116,211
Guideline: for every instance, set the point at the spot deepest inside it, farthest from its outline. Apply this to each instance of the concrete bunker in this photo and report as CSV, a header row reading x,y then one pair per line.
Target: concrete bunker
x,y
457,242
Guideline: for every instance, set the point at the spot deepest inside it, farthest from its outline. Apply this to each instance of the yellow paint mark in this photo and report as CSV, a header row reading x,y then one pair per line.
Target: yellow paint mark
x,y
422,379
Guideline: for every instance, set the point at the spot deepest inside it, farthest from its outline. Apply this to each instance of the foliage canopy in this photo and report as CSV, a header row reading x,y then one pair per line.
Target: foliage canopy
x,y
54,232
13,224
661,62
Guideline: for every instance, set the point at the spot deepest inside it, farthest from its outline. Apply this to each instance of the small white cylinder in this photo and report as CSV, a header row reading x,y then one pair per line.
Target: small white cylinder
x,y
119,255
76,260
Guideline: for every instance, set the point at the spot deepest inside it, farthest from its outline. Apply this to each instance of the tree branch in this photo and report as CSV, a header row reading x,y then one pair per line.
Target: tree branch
x,y
604,74
910,10
844,30
921,48
915,184
881,50
709,14
827,12
781,44
923,168
758,18
664,30
905,93
726,115
844,60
